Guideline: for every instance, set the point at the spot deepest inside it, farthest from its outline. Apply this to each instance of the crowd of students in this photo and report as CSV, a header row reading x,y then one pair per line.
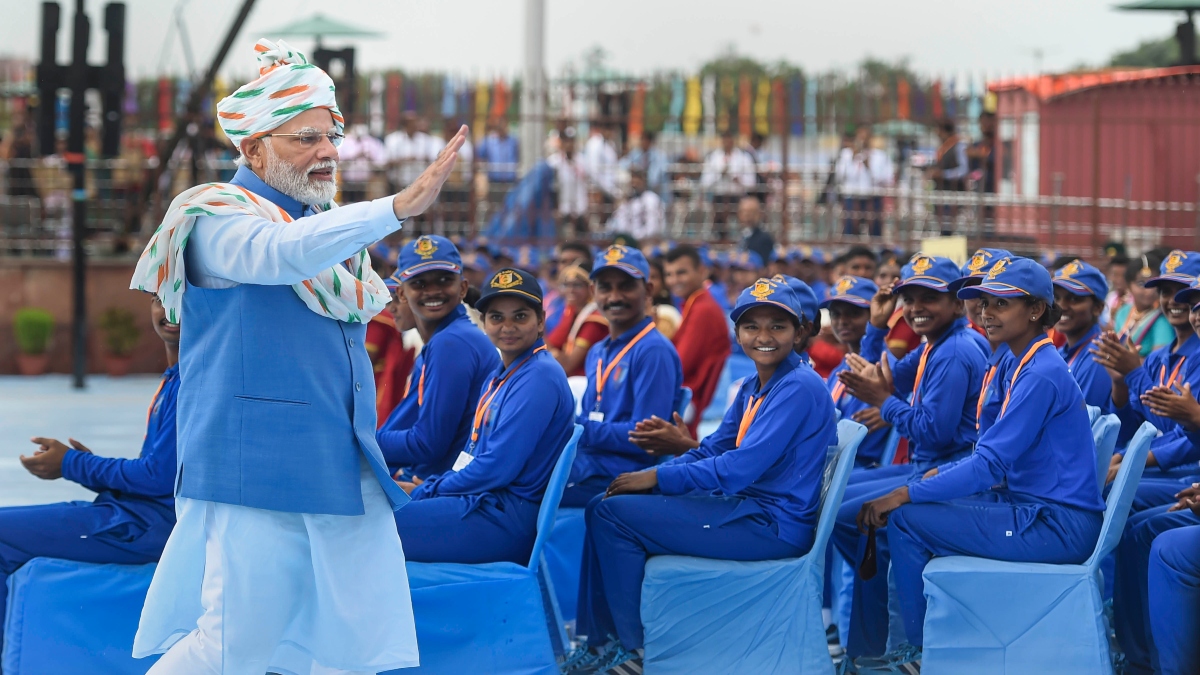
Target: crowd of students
x,y
984,370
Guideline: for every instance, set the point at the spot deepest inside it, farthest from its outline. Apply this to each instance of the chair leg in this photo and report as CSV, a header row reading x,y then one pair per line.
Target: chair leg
x,y
554,620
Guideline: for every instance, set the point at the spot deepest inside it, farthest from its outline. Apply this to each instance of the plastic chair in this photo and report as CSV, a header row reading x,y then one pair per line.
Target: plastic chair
x,y
74,617
976,623
564,547
578,385
1093,414
889,448
721,616
499,614
1105,429
685,400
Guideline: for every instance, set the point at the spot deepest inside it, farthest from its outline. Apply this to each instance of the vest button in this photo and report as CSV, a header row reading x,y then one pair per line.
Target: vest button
x,y
358,386
351,342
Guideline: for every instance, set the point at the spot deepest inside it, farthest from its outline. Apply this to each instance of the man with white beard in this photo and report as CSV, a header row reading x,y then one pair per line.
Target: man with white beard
x,y
285,557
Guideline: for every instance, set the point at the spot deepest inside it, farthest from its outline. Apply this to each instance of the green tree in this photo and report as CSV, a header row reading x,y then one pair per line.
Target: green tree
x,y
1149,54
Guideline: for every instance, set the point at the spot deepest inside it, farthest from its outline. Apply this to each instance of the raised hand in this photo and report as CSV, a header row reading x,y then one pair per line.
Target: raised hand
x,y
420,195
1180,406
1118,358
883,305
872,385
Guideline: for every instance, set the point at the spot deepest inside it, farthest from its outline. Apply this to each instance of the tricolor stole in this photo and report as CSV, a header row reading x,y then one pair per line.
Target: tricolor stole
x,y
351,292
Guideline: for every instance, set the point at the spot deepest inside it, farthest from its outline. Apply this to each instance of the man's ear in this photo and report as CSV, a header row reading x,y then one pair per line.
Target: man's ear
x,y
254,152
649,288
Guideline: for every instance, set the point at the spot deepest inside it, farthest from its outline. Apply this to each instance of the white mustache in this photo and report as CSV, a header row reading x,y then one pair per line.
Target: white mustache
x,y
324,164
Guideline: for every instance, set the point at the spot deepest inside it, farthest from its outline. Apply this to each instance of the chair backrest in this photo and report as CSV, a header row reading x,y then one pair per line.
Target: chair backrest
x,y
1104,431
685,399
833,484
1093,414
578,385
889,448
548,511
1121,495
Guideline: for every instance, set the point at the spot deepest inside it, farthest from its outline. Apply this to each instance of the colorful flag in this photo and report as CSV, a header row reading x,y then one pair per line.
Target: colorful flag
x,y
762,107
692,110
637,111
903,109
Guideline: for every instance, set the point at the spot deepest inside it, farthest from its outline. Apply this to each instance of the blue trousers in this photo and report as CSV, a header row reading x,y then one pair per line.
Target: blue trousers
x,y
868,631
622,532
992,525
1174,590
81,531
578,495
1131,606
1157,490
486,528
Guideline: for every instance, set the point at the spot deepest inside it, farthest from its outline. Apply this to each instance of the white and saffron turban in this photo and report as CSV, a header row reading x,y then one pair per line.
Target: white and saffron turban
x,y
287,85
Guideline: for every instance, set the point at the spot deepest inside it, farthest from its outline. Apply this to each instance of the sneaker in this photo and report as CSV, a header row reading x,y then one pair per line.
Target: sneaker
x,y
620,661
582,659
905,659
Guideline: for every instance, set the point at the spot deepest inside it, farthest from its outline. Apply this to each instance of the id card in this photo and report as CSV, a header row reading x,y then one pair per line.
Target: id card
x,y
596,416
464,458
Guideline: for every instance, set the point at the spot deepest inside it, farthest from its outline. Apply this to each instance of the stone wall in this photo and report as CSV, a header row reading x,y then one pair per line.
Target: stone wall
x,y
46,284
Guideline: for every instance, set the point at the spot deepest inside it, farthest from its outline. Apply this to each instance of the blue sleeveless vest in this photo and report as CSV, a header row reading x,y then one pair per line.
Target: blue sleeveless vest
x,y
276,404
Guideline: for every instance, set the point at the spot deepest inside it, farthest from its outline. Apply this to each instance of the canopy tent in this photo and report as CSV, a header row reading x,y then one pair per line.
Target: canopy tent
x,y
1185,33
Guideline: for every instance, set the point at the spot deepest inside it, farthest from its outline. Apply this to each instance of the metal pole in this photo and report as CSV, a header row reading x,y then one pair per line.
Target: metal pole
x,y
77,79
533,93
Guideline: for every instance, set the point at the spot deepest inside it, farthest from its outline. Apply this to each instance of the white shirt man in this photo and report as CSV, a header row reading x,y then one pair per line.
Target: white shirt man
x,y
861,173
642,216
728,173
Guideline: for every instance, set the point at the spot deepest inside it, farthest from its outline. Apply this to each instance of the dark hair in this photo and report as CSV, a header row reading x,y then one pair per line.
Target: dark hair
x,y
1063,261
662,295
1150,259
472,296
860,252
683,251
579,247
1049,317
1119,259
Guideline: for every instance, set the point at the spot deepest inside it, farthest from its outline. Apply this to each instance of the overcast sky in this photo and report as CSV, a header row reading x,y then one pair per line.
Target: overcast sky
x,y
484,37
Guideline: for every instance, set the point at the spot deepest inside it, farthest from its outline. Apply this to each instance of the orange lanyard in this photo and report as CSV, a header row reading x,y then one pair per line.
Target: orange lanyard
x,y
1174,373
838,390
1025,359
602,373
748,418
420,387
920,371
154,401
1082,348
493,389
987,382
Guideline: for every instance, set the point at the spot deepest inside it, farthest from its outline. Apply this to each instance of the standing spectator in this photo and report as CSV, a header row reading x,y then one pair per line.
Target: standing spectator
x,y
862,171
981,158
754,238
641,214
18,145
361,154
762,165
501,155
1118,294
600,158
653,161
572,179
948,173
728,174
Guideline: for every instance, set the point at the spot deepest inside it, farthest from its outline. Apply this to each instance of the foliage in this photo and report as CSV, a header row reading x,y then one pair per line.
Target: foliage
x,y
120,329
1150,54
33,328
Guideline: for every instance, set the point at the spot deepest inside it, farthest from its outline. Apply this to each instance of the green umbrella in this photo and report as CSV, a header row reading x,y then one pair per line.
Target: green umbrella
x,y
318,26
1164,5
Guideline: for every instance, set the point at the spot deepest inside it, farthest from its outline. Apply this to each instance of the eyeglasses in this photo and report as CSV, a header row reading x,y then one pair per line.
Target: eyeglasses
x,y
309,139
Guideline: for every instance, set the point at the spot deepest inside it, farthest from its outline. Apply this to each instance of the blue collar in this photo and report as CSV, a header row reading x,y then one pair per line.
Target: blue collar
x,y
1067,350
1189,348
792,362
523,355
627,335
171,372
459,312
250,180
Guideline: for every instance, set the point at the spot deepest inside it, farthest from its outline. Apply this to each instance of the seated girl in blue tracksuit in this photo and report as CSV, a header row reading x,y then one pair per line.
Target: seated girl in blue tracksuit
x,y
484,509
849,307
749,492
944,379
1172,455
1029,492
1079,291
991,391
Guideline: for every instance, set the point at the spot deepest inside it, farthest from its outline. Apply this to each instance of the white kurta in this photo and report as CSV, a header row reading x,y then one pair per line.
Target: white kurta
x,y
241,590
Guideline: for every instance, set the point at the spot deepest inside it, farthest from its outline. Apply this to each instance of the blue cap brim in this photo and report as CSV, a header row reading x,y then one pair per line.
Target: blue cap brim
x,y
848,299
1001,290
533,300
433,265
742,309
1188,296
1074,287
935,284
1177,278
623,267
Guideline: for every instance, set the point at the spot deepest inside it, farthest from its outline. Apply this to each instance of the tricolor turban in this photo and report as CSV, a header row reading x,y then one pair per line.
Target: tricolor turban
x,y
287,85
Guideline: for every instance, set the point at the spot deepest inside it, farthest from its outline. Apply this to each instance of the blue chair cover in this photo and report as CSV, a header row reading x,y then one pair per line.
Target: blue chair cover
x,y
1093,414
720,616
496,617
889,449
1105,429
975,623
72,617
564,546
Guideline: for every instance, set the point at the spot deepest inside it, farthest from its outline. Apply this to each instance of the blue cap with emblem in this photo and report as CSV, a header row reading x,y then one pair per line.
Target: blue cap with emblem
x,y
745,260
511,281
624,258
805,295
1182,267
975,269
427,253
856,291
1190,295
1013,277
928,271
1080,278
476,261
767,293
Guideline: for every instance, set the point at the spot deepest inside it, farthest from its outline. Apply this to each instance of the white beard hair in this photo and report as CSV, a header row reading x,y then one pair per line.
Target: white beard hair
x,y
295,183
